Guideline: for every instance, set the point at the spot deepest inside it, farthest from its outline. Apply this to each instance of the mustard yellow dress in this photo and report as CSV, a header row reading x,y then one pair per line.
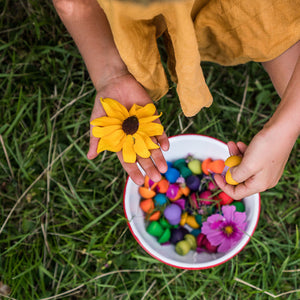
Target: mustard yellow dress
x,y
227,32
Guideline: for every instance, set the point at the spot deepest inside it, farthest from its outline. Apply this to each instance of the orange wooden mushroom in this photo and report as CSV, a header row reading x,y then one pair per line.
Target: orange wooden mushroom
x,y
146,193
216,166
147,205
205,165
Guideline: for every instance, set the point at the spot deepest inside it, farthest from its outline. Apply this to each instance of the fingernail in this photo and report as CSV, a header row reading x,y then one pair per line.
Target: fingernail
x,y
139,181
164,147
156,177
163,168
90,155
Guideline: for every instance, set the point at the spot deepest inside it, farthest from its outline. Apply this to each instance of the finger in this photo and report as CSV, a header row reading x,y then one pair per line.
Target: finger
x,y
233,149
159,160
163,142
92,153
220,181
239,191
150,169
132,170
96,112
242,147
157,155
242,172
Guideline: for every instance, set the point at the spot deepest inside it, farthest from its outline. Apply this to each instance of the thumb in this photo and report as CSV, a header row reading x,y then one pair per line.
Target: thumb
x,y
92,153
241,172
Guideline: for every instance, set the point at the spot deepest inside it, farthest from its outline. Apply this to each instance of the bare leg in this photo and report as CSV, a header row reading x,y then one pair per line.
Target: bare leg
x,y
282,67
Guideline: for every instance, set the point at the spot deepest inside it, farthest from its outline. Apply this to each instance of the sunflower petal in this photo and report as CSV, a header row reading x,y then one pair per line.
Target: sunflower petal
x,y
140,147
148,141
149,119
152,129
120,145
132,111
128,152
103,145
106,121
138,106
146,111
114,109
100,132
115,138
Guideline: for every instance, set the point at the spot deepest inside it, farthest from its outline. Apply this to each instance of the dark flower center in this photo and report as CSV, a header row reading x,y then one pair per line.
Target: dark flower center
x,y
130,125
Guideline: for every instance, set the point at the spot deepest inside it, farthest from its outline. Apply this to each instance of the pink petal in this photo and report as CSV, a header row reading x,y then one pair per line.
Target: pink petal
x,y
240,217
216,225
237,236
206,228
226,245
242,227
215,218
228,212
216,238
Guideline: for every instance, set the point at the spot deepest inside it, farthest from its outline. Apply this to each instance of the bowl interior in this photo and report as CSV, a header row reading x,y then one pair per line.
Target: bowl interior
x,y
181,146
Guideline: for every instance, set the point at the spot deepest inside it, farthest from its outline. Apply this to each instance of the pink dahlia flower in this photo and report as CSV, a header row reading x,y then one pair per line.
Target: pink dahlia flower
x,y
225,230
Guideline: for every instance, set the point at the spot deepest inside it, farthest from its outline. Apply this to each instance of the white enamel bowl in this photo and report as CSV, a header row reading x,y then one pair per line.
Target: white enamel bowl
x,y
181,146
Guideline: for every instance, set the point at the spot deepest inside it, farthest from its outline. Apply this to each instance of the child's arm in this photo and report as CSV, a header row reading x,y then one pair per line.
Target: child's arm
x,y
88,26
265,158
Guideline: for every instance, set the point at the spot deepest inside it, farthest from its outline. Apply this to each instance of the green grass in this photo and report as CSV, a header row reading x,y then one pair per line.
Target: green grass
x,y
63,230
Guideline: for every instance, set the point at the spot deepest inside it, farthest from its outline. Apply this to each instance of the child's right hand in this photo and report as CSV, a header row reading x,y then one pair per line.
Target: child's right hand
x,y
262,164
128,91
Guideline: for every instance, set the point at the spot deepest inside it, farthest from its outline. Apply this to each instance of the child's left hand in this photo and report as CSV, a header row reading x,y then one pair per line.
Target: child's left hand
x,y
262,164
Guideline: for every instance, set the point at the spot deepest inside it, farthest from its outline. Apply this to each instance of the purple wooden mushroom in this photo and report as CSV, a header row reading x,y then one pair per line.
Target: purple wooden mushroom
x,y
193,182
173,214
177,234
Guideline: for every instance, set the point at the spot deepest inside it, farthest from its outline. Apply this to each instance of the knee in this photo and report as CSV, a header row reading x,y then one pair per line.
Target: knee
x,y
74,8
64,7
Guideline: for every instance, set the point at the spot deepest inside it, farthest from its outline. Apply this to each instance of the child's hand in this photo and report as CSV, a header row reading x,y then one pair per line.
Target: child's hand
x,y
128,91
262,164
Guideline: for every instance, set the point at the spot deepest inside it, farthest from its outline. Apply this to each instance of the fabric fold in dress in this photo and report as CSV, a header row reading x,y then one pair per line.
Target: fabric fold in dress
x,y
227,32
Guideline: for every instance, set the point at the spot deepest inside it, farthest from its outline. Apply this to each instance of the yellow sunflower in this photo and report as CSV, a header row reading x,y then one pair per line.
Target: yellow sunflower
x,y
125,130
